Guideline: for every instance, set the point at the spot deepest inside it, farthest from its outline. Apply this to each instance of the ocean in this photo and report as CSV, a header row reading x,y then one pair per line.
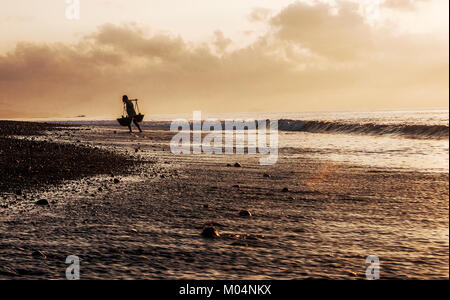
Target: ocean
x,y
398,140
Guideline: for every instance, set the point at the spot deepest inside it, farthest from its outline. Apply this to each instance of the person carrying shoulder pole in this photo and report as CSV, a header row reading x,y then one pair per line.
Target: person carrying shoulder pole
x,y
131,112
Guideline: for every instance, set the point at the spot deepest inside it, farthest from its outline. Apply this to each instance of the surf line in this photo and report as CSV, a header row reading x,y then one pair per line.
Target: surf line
x,y
226,137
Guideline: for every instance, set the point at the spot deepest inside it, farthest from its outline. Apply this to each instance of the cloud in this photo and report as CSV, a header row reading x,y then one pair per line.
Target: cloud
x,y
221,42
403,4
310,58
260,14
318,28
129,39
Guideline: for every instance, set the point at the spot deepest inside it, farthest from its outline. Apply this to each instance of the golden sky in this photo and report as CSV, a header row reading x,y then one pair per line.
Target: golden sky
x,y
222,56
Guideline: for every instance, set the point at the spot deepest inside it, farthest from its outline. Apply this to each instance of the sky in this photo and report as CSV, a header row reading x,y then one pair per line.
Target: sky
x,y
216,56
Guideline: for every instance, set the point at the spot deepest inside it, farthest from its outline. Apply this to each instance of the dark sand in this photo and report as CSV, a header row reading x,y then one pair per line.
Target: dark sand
x,y
27,163
149,224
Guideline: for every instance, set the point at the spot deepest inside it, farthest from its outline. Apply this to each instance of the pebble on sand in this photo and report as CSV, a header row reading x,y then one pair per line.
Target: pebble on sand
x,y
245,213
116,180
237,165
285,190
42,202
210,232
39,254
266,176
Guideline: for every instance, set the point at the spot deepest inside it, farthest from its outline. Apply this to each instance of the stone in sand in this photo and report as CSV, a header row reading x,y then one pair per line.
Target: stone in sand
x,y
285,190
266,176
116,180
39,254
237,165
245,213
210,232
42,202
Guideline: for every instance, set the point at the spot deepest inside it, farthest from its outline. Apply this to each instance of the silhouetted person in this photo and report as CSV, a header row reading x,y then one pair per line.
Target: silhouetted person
x,y
131,112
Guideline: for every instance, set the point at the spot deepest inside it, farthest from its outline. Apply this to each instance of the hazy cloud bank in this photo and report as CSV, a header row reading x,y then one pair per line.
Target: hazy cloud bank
x,y
310,58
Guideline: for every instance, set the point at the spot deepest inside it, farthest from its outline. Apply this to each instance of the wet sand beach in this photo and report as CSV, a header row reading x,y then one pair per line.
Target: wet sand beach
x,y
133,210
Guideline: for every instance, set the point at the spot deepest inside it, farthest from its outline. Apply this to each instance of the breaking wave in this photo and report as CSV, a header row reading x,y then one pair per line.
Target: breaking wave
x,y
439,132
409,131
